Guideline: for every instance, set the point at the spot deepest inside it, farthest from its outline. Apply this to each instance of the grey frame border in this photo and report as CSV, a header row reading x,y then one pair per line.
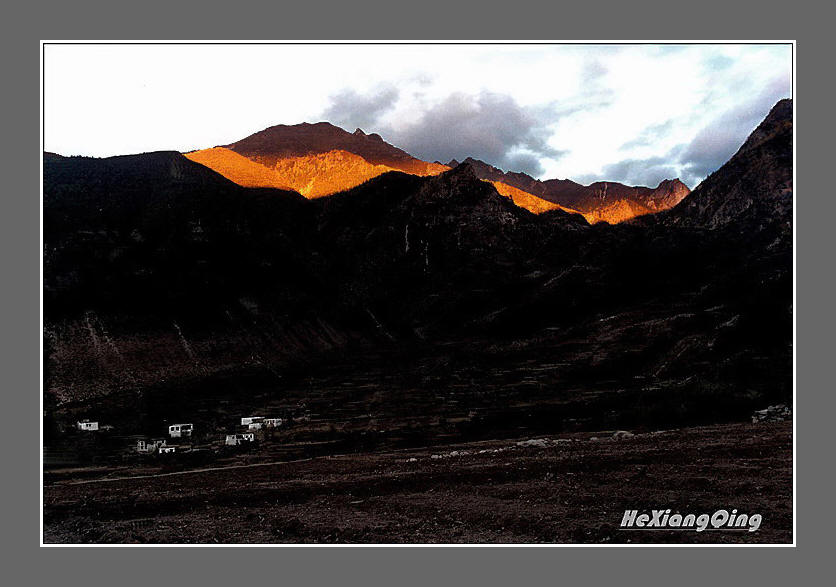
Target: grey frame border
x,y
638,19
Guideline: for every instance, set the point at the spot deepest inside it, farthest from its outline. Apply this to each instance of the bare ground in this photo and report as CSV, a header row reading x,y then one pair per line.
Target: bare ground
x,y
567,489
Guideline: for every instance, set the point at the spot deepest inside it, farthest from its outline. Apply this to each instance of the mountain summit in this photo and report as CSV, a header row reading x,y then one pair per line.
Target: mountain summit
x,y
313,159
280,142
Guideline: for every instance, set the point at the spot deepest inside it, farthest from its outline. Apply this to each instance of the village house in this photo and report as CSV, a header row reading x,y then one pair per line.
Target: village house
x,y
87,425
149,445
180,430
237,439
251,420
273,422
167,449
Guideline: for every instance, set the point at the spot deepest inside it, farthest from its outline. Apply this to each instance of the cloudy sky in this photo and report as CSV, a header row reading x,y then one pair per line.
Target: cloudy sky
x,y
630,113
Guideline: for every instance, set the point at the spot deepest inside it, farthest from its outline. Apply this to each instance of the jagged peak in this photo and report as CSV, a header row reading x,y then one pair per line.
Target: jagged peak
x,y
462,170
675,182
479,162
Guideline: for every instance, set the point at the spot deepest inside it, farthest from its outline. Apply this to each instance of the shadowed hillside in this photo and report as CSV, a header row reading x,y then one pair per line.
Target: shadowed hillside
x,y
409,309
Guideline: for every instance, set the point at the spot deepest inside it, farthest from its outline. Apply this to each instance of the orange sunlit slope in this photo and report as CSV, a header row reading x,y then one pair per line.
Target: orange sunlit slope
x,y
616,212
238,168
313,176
528,201
323,174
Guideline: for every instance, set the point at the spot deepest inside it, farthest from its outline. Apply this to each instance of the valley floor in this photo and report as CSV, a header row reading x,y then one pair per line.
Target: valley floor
x,y
570,488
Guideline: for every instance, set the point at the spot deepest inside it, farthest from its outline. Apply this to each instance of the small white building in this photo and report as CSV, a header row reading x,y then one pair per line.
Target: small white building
x,y
237,439
255,426
272,422
180,430
167,449
251,420
149,445
87,425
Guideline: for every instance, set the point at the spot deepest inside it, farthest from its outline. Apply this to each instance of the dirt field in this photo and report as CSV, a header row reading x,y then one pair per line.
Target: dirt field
x,y
572,488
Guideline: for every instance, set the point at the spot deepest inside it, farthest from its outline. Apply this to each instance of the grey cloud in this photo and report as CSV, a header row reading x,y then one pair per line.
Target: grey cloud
x,y
650,135
647,172
593,92
524,163
350,109
671,49
488,126
593,70
423,79
718,63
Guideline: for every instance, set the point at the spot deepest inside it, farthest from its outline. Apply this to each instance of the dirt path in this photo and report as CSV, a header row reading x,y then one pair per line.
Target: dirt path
x,y
187,472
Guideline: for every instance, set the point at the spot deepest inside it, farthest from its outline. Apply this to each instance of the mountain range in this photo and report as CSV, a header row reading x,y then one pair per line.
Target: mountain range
x,y
321,159
601,201
420,298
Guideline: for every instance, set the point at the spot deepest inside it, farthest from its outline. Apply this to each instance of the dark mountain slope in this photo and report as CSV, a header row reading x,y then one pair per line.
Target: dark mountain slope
x,y
158,269
486,171
143,231
435,252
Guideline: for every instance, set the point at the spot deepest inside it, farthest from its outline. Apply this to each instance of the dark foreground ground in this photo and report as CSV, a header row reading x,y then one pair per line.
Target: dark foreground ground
x,y
572,488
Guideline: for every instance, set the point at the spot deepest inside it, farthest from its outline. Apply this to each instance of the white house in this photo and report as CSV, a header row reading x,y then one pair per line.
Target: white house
x,y
167,449
149,445
251,420
255,426
236,439
87,425
274,422
180,430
